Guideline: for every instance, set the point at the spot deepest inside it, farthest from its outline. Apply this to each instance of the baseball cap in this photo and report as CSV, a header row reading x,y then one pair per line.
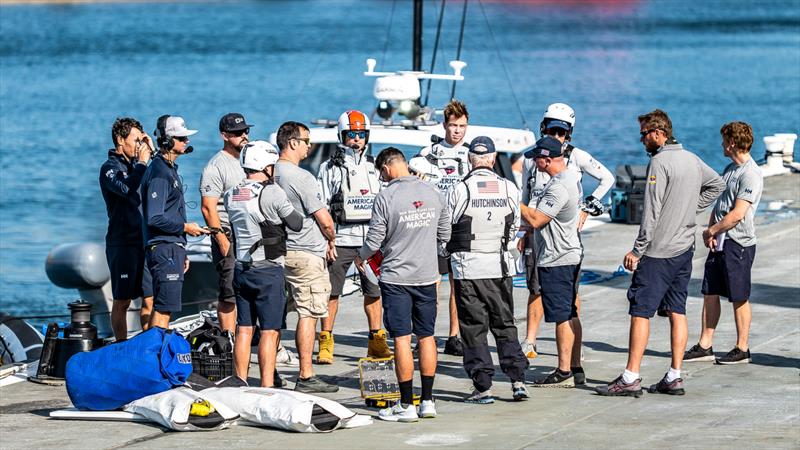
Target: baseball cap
x,y
553,123
176,127
481,145
547,146
233,122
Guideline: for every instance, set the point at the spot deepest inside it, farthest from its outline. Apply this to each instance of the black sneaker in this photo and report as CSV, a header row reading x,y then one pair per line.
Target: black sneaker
x,y
579,374
697,353
735,356
674,387
453,346
556,379
314,385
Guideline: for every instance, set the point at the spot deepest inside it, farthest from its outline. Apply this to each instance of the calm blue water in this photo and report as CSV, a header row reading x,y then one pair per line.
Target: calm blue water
x,y
67,71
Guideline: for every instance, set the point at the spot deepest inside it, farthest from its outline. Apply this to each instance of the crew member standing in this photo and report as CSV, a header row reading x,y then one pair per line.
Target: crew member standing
x,y
410,223
450,156
222,173
165,215
484,210
120,177
731,239
349,185
259,213
306,250
555,217
558,122
679,186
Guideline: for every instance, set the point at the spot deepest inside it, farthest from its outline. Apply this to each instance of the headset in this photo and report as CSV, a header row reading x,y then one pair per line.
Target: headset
x,y
163,140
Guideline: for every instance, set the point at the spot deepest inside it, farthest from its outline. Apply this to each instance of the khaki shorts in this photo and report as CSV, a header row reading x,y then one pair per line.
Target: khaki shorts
x,y
308,283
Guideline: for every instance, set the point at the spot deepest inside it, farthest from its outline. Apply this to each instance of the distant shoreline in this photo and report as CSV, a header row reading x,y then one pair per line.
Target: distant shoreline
x,y
79,2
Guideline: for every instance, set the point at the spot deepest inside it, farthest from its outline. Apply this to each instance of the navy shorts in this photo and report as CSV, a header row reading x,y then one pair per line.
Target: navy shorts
x,y
404,306
559,289
166,261
260,295
126,264
660,285
728,272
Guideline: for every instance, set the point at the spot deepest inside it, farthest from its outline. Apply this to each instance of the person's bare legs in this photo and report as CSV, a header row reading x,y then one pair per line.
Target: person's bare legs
x,y
679,334
565,338
326,323
267,347
119,319
427,356
145,312
453,310
637,342
743,315
304,339
226,313
403,358
373,309
577,329
709,320
535,315
241,351
159,319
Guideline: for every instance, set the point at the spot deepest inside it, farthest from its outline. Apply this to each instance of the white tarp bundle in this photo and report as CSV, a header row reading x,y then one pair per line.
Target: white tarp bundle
x,y
171,409
287,410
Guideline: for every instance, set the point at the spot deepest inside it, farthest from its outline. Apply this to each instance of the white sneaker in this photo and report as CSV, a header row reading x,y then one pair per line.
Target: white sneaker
x,y
399,414
427,409
286,358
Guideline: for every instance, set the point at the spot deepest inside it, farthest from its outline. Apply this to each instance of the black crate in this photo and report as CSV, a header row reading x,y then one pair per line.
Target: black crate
x,y
213,367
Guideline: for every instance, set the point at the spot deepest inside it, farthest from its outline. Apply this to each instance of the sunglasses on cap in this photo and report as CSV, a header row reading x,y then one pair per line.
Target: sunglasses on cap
x,y
239,133
353,134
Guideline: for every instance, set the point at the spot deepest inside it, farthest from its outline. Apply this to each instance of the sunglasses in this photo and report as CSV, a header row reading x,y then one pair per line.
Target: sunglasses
x,y
353,134
181,138
239,133
646,132
556,132
306,140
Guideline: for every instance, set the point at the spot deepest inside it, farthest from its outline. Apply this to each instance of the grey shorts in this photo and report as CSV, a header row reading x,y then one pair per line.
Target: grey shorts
x,y
338,272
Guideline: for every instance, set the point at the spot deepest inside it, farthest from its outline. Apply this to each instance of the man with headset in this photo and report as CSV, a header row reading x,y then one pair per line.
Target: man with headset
x,y
349,185
222,173
165,219
485,215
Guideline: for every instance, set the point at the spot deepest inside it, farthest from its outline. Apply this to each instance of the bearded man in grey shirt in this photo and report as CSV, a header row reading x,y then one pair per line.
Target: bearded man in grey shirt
x,y
679,186
410,223
731,240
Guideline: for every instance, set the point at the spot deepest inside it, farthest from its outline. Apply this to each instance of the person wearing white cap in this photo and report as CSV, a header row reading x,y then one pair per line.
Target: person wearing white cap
x,y
259,213
164,211
485,215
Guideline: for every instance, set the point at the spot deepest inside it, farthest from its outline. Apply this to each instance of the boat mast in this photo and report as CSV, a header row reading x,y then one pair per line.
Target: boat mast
x,y
417,58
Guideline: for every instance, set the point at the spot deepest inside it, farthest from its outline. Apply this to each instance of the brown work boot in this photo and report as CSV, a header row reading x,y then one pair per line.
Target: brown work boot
x,y
378,347
325,355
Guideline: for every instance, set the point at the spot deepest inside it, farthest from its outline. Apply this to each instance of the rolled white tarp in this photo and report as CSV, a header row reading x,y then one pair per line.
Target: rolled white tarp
x,y
172,408
286,410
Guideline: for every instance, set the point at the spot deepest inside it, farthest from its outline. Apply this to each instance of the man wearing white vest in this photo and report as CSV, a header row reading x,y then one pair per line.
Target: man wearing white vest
x,y
349,184
485,215
259,212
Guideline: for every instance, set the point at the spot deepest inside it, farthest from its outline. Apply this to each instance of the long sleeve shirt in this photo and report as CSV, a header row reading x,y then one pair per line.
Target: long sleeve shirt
x,y
119,184
164,207
410,220
679,186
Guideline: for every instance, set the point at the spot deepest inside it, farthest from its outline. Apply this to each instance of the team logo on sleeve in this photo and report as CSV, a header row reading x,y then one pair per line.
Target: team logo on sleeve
x,y
110,173
154,194
652,179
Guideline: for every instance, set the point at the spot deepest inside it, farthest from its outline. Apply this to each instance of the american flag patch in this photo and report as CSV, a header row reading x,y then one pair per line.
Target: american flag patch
x,y
241,194
488,187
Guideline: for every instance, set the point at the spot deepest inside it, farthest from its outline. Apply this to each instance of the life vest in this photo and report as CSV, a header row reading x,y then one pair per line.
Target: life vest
x,y
358,188
256,238
452,162
476,229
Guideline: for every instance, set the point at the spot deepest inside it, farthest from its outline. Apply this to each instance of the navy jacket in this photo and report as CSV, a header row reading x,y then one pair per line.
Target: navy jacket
x,y
119,183
164,207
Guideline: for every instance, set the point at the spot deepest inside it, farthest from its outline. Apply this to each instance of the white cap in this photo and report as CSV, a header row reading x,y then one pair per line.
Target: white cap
x,y
176,127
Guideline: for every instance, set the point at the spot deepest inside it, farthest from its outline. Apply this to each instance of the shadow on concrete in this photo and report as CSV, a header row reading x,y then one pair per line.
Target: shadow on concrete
x,y
766,359
605,347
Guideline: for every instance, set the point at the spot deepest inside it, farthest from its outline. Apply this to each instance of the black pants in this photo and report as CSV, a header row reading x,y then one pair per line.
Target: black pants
x,y
488,305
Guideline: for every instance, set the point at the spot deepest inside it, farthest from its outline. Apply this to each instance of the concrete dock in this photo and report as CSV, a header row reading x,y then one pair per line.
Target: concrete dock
x,y
745,406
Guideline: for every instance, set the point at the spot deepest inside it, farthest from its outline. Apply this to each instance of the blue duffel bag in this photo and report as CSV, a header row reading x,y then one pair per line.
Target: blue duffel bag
x,y
115,375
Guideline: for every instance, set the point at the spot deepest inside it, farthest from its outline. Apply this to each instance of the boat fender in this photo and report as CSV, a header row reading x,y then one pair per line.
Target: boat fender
x,y
19,341
78,265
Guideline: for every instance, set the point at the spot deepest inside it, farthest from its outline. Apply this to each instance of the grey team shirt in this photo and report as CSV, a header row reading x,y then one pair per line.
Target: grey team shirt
x,y
222,173
679,186
410,220
558,242
743,182
303,192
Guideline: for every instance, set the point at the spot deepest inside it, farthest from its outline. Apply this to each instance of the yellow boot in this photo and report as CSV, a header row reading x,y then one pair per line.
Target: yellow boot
x,y
325,355
378,348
